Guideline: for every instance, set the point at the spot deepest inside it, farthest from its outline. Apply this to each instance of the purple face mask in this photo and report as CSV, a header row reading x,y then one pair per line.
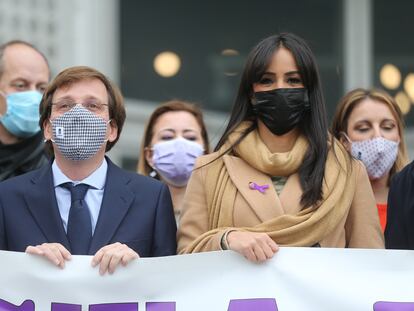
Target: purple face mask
x,y
174,160
377,154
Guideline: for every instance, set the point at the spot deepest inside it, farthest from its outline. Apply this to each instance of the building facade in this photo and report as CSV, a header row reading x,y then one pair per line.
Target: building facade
x,y
195,50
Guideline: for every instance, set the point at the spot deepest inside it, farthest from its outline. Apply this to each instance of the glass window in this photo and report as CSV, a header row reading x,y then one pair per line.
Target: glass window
x,y
393,45
210,41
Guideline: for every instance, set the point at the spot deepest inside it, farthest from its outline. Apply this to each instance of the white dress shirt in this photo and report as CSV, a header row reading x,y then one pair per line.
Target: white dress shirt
x,y
93,196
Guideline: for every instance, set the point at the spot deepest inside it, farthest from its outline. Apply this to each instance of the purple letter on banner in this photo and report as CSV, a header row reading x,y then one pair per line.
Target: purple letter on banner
x,y
393,306
262,304
65,307
114,307
27,305
160,306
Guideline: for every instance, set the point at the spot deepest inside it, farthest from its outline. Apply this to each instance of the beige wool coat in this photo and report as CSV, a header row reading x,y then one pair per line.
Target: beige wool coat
x,y
359,227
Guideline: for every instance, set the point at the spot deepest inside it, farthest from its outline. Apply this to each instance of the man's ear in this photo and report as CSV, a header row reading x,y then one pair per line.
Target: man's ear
x,y
47,130
113,131
3,104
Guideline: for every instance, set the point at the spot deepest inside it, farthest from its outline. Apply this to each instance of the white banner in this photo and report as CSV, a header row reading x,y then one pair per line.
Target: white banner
x,y
295,279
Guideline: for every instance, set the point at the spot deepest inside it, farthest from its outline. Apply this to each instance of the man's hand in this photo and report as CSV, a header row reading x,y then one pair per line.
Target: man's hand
x,y
109,257
56,253
256,247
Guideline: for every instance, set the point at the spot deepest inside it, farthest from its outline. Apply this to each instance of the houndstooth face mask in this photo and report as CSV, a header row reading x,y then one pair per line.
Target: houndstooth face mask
x,y
79,133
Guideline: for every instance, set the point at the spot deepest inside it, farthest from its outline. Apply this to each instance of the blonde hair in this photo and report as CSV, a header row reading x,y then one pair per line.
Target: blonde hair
x,y
351,100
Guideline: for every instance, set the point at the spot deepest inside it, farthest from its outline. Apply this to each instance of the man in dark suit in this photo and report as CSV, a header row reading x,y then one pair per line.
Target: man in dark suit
x,y
82,203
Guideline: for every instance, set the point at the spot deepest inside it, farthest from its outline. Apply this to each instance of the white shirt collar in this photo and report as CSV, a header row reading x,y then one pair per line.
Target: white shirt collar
x,y
96,180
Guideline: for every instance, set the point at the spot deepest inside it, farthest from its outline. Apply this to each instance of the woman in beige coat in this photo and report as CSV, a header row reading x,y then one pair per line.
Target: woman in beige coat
x,y
277,178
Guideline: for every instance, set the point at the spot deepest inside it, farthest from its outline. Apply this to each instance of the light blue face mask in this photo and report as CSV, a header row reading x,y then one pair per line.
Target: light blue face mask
x,y
22,116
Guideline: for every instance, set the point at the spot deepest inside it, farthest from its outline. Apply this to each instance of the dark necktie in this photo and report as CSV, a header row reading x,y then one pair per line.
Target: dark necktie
x,y
79,228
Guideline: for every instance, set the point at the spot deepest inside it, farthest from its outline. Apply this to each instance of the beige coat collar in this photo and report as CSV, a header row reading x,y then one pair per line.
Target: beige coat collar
x,y
265,205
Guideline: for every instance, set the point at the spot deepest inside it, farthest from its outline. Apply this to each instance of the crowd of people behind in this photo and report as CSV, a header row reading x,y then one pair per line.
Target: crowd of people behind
x,y
279,175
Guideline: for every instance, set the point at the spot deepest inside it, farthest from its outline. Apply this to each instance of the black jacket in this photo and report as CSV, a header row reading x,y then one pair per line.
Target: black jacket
x,y
399,232
25,156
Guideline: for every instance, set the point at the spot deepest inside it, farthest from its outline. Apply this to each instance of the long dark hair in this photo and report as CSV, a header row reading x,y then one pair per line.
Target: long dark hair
x,y
314,125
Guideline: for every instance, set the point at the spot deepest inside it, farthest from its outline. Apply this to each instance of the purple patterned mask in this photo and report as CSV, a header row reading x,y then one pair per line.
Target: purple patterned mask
x,y
377,154
174,160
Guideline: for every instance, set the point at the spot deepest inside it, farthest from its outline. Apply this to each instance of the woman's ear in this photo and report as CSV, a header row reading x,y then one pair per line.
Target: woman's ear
x,y
148,156
346,142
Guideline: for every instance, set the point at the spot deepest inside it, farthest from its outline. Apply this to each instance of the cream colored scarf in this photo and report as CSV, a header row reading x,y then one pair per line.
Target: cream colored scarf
x,y
307,227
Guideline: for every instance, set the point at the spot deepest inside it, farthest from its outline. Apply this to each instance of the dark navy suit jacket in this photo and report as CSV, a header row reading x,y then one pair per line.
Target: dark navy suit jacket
x,y
399,232
136,210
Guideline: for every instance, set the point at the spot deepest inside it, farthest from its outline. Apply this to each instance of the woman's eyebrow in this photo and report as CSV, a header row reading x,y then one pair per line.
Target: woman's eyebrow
x,y
166,129
290,73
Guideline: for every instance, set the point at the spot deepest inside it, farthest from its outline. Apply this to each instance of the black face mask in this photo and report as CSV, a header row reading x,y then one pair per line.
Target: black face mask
x,y
281,110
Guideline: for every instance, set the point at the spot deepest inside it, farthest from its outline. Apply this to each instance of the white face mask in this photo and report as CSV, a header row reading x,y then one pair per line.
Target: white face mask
x,y
79,133
377,154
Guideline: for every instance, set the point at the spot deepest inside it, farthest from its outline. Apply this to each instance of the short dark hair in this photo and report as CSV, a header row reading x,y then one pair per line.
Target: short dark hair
x,y
16,42
79,73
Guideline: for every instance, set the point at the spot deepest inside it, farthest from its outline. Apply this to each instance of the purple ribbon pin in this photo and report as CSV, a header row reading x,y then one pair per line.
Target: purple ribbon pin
x,y
261,189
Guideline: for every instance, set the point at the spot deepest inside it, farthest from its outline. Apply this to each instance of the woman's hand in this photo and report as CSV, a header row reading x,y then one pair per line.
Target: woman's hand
x,y
256,247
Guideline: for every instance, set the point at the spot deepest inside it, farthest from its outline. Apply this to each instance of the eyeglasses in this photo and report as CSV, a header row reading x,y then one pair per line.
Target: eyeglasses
x,y
92,105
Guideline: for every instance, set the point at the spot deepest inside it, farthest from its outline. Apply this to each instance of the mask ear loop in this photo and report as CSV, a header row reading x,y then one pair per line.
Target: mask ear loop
x,y
107,122
51,139
359,156
153,173
343,134
253,100
4,98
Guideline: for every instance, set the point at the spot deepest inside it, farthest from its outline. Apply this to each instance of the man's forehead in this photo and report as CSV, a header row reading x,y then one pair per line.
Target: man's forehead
x,y
20,59
83,88
20,49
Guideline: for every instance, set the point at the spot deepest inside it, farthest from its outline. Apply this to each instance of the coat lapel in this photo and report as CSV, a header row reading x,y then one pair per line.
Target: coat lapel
x,y
291,195
43,206
265,205
116,202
